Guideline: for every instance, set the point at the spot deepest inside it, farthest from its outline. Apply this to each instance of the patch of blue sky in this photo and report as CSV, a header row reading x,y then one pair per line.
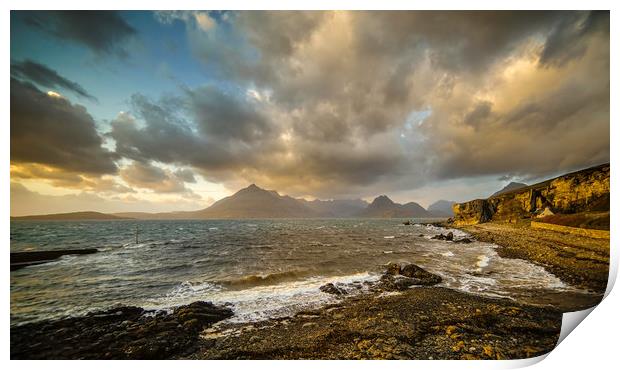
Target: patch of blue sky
x,y
417,118
409,133
153,53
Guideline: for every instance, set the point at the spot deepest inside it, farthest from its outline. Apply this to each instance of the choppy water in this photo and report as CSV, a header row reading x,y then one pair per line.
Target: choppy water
x,y
265,268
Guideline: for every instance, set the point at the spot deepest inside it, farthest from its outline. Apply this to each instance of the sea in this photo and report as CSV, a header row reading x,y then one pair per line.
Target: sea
x,y
260,268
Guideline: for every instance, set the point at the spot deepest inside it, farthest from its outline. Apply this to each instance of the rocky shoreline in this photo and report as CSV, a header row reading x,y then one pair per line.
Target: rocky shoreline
x,y
401,316
420,323
135,333
577,260
118,333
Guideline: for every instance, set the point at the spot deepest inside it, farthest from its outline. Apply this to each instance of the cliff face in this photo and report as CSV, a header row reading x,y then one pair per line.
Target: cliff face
x,y
585,190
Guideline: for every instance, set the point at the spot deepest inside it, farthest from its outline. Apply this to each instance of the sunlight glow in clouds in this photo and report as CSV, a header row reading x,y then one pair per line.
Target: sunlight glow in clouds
x,y
54,94
314,104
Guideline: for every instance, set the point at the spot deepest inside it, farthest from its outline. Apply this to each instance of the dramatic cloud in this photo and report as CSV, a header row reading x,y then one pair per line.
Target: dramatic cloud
x,y
46,129
104,32
330,103
232,139
148,176
186,175
44,76
568,39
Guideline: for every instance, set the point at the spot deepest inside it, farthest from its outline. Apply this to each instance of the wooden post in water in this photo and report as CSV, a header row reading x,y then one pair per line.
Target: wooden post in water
x,y
137,234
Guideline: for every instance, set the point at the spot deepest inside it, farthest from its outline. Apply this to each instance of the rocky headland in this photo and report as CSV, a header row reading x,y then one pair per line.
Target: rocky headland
x,y
582,191
578,200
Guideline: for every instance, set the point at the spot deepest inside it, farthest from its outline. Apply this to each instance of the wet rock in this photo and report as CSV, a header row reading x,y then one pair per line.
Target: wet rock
x,y
464,241
397,278
330,288
393,268
400,283
403,282
448,237
395,283
118,333
20,260
407,223
423,277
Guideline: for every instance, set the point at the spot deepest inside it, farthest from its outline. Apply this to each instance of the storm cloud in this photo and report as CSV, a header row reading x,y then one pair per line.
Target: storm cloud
x,y
323,101
148,176
49,130
104,32
44,76
334,104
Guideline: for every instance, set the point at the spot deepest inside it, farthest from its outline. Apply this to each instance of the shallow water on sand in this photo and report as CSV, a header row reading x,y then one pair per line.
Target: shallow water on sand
x,y
264,268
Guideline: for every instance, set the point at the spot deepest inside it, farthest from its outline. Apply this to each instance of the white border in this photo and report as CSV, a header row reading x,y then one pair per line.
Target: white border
x,y
593,344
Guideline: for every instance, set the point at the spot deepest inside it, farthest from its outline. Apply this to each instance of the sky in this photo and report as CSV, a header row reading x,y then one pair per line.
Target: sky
x,y
165,111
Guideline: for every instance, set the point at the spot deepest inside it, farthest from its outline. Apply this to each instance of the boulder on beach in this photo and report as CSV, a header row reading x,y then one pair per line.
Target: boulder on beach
x,y
205,313
393,268
424,277
397,277
448,237
397,282
464,241
330,288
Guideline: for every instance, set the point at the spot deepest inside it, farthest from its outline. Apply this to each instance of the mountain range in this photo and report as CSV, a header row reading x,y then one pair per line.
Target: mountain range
x,y
384,207
255,202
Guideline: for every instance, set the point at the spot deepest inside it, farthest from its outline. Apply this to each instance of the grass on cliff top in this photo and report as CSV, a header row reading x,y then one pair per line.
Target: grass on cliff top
x,y
584,220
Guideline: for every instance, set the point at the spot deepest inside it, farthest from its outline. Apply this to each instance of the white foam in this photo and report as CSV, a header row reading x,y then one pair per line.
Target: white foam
x,y
267,301
389,237
483,261
135,246
438,230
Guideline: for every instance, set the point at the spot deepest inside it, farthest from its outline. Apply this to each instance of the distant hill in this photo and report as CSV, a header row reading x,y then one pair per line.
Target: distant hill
x,y
384,207
510,187
155,216
71,217
254,202
441,208
240,208
337,207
